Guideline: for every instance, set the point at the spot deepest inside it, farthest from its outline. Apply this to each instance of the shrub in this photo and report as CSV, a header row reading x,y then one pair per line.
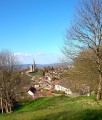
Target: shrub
x,y
58,92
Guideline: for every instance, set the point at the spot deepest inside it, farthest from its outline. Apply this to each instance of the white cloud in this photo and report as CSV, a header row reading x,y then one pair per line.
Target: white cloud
x,y
29,54
40,54
22,54
39,57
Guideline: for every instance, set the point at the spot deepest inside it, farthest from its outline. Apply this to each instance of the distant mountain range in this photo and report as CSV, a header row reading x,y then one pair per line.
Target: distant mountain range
x,y
45,65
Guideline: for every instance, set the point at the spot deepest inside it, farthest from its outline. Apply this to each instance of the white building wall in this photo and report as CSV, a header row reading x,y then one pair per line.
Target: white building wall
x,y
68,91
61,88
57,87
30,93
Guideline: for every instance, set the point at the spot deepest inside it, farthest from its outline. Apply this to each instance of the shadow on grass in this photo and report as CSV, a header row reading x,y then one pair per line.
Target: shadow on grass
x,y
73,115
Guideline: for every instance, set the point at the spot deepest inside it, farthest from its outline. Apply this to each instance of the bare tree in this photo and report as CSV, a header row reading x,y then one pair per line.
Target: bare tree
x,y
86,32
9,79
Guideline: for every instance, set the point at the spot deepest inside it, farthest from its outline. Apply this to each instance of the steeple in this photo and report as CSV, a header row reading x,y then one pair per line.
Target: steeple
x,y
34,65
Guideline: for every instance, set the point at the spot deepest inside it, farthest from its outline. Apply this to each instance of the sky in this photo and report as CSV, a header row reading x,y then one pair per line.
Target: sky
x,y
35,29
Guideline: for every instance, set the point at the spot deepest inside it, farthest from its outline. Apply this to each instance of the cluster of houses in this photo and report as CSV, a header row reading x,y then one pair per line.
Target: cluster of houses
x,y
47,84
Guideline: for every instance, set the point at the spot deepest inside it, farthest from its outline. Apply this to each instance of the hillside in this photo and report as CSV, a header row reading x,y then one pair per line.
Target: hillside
x,y
58,108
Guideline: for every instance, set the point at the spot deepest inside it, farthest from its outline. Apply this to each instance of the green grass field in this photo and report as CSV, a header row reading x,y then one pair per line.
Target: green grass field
x,y
58,108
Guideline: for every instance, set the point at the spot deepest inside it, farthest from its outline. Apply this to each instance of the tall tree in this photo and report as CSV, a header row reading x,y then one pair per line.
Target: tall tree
x,y
86,32
86,69
9,78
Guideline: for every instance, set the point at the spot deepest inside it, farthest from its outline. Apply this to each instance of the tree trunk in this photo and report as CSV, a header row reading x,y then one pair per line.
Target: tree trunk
x,y
99,91
2,105
6,106
10,107
99,88
89,91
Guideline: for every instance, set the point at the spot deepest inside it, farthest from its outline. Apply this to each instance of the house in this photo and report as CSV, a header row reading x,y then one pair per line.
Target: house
x,y
70,88
62,86
48,77
53,83
47,87
37,85
32,91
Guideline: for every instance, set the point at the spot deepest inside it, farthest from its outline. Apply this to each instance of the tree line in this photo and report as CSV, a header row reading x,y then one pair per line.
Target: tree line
x,y
83,43
10,80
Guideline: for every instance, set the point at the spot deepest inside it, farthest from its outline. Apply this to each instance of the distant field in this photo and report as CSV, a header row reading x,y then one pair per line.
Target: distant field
x,y
58,108
37,74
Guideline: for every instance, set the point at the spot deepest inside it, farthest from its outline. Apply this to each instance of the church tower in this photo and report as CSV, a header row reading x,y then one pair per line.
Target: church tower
x,y
33,66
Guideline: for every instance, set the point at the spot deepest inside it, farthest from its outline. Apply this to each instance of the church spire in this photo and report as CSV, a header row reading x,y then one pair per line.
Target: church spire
x,y
34,65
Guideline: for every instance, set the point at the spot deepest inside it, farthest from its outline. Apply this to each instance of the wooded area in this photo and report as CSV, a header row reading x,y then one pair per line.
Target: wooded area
x,y
85,34
10,80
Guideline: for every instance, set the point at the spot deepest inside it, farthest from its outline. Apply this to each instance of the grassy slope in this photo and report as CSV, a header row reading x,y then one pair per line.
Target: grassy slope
x,y
58,108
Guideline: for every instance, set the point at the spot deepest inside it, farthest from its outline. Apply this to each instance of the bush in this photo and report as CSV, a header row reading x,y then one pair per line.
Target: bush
x,y
58,92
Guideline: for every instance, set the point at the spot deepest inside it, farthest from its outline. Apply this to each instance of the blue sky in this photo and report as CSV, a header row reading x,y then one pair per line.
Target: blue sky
x,y
35,28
